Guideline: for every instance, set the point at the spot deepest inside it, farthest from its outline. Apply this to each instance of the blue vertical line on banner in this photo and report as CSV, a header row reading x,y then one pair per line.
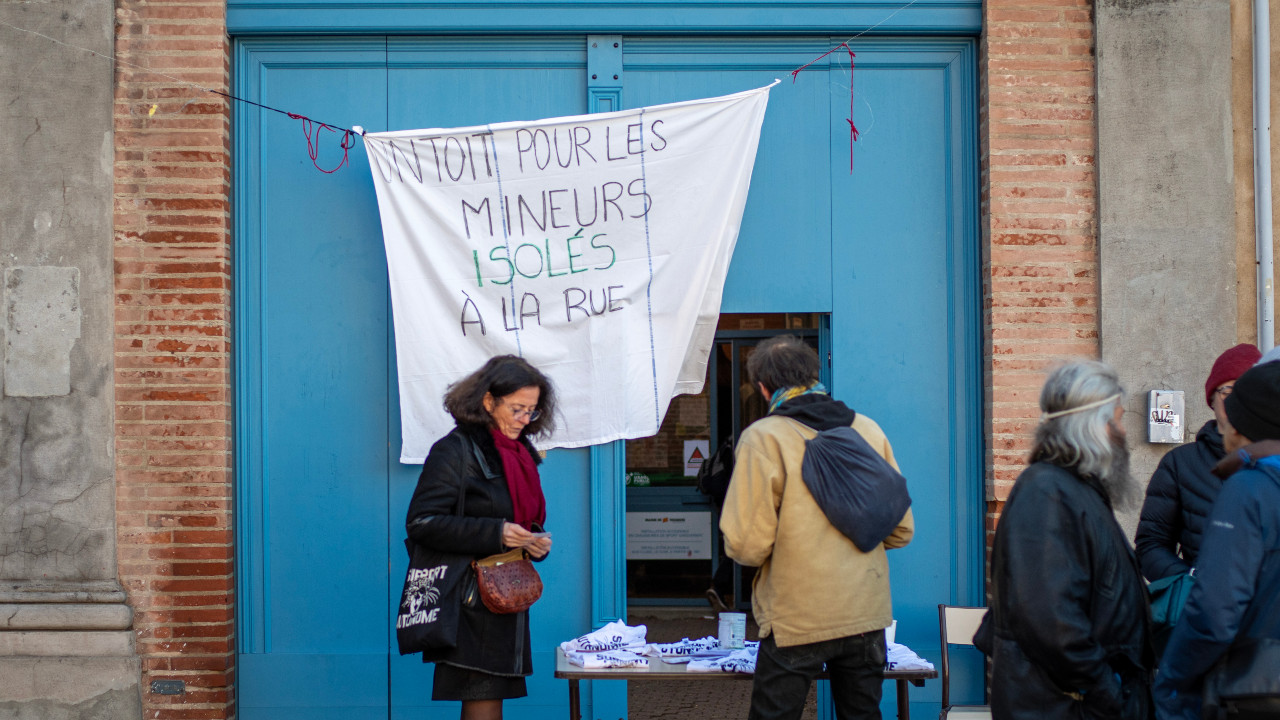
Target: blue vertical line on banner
x,y
648,290
506,237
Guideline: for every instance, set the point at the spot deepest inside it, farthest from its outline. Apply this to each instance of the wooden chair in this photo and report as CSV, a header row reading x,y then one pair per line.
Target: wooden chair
x,y
957,626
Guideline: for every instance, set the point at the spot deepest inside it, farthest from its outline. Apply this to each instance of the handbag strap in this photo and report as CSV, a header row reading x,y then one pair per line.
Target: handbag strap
x,y
478,454
460,505
501,558
462,482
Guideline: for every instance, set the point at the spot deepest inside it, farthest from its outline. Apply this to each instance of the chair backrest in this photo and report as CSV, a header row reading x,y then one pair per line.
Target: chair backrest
x,y
957,626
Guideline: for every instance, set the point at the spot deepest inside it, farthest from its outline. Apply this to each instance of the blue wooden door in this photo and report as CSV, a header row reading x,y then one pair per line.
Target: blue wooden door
x,y
313,405
889,251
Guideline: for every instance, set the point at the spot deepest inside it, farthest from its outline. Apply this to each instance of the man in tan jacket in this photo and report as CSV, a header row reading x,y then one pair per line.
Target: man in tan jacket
x,y
817,598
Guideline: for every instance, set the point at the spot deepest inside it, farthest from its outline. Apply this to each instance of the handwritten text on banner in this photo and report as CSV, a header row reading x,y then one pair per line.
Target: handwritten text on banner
x,y
594,246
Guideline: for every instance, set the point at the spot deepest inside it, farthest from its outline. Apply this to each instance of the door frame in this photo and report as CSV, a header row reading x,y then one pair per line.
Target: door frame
x,y
607,461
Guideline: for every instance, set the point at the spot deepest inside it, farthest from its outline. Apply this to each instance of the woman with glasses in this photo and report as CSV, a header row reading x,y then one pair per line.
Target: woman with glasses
x,y
488,465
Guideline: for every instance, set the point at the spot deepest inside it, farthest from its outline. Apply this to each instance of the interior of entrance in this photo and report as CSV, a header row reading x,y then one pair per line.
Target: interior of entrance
x,y
673,538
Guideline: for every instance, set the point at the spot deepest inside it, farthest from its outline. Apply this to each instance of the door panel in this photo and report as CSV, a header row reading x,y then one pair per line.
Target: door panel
x,y
780,263
904,332
313,685
312,396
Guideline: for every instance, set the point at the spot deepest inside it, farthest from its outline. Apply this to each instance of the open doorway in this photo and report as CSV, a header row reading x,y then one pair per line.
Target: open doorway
x,y
674,549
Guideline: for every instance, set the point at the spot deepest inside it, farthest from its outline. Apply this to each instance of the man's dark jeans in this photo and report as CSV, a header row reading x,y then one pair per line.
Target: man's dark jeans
x,y
783,677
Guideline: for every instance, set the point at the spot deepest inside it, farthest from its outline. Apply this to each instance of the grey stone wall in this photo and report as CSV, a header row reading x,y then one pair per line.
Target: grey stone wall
x,y
66,650
1166,198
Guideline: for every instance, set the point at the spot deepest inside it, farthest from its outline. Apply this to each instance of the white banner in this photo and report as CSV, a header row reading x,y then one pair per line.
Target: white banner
x,y
594,246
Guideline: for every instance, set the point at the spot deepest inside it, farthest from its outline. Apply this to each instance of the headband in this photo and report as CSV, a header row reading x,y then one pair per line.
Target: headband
x,y
1081,408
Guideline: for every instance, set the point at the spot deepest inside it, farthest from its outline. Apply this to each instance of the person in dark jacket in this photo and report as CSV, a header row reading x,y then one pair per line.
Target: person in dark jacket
x,y
1068,630
1236,598
1183,487
497,409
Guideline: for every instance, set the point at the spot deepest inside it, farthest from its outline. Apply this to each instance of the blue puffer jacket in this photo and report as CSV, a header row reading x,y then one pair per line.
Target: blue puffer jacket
x,y
1179,498
1237,589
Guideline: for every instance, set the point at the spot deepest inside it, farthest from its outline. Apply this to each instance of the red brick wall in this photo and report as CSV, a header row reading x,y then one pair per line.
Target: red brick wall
x,y
1039,209
172,363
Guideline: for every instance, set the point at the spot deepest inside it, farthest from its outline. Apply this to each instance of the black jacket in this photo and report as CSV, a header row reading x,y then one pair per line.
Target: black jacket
x,y
497,644
1179,497
1068,629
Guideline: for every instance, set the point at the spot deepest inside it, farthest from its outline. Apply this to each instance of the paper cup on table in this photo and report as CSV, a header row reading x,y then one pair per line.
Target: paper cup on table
x,y
733,630
890,632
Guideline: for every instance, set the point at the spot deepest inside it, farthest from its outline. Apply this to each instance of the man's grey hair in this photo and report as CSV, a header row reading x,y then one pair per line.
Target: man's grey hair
x,y
1078,403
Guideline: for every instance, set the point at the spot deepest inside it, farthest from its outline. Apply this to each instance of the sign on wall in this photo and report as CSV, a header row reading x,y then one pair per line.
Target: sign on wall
x,y
695,454
594,246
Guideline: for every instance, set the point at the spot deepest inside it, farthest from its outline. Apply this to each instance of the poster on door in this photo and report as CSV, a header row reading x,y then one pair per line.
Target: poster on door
x,y
594,246
668,535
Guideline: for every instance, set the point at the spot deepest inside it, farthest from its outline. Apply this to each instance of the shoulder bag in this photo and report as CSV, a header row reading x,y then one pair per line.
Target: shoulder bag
x,y
1168,597
861,494
1246,680
508,582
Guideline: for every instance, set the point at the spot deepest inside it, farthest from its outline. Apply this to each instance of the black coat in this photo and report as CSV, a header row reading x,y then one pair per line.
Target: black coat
x,y
497,644
1179,497
1069,609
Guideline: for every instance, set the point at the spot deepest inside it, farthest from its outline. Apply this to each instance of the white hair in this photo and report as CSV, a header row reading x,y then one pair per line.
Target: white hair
x,y
1078,401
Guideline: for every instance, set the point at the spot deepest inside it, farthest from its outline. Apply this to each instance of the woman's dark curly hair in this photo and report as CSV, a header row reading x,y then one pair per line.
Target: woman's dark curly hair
x,y
501,376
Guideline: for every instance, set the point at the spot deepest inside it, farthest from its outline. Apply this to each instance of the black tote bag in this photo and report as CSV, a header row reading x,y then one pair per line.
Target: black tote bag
x,y
431,599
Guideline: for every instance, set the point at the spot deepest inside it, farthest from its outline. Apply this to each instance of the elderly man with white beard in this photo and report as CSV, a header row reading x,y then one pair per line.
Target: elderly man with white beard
x,y
1069,629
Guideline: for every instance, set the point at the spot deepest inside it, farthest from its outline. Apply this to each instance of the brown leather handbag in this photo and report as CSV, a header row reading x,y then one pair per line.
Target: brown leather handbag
x,y
508,582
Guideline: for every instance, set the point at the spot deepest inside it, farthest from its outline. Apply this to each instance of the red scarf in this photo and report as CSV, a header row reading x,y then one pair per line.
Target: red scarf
x,y
522,480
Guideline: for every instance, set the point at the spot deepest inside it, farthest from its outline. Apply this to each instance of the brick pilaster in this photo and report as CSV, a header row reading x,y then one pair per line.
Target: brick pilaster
x,y
1039,211
172,362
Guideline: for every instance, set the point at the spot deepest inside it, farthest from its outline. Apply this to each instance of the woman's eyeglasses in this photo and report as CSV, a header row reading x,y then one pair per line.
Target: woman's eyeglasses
x,y
518,412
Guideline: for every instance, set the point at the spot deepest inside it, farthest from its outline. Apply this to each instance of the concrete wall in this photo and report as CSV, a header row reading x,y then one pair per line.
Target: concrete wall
x,y
1166,203
65,646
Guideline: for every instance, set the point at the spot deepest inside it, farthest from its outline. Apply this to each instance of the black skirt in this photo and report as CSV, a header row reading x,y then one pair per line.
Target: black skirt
x,y
456,683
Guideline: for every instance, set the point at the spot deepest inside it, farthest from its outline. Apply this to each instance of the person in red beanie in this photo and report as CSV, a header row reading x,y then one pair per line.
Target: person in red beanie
x,y
1183,488
1222,659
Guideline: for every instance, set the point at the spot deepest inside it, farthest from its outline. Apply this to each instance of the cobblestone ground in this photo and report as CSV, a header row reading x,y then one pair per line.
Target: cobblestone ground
x,y
697,699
